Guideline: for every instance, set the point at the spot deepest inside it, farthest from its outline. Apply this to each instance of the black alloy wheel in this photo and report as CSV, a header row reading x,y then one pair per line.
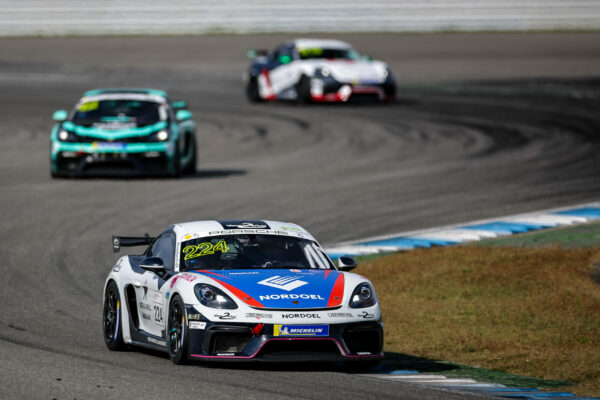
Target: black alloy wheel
x,y
111,318
177,332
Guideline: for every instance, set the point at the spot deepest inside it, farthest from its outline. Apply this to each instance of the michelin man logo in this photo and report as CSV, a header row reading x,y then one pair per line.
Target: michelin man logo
x,y
287,283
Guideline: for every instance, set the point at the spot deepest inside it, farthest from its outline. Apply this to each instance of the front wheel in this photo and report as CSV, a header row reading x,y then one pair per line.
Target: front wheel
x,y
177,332
111,316
303,90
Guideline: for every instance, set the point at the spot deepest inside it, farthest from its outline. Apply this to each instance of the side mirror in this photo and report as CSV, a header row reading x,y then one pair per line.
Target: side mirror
x,y
285,59
154,264
346,263
183,115
253,53
60,115
178,104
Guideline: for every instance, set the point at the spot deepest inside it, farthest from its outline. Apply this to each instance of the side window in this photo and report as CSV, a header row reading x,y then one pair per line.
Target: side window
x,y
164,247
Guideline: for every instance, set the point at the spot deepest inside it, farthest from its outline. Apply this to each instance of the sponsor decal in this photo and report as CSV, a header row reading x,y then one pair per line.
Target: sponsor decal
x,y
188,277
225,315
300,330
242,231
291,297
301,315
146,316
246,225
197,325
365,315
186,237
167,295
145,306
339,315
157,298
259,315
194,317
173,281
158,342
291,228
225,354
244,273
286,283
364,353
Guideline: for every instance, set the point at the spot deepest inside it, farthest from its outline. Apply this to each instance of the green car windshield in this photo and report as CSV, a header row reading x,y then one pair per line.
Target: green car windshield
x,y
316,53
251,252
140,113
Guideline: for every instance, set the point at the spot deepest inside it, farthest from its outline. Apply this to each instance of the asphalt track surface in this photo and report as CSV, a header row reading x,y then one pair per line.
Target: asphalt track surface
x,y
485,125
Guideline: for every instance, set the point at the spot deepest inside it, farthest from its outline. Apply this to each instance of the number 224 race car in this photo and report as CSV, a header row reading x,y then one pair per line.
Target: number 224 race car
x,y
240,290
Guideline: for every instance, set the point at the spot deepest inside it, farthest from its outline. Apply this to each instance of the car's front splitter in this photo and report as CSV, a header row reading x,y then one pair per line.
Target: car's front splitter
x,y
90,159
342,92
228,341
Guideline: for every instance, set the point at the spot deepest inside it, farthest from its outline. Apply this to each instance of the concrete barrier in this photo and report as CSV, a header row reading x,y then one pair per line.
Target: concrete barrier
x,y
176,17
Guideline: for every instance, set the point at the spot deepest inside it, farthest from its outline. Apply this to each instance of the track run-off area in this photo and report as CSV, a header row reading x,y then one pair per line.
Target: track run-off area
x,y
484,125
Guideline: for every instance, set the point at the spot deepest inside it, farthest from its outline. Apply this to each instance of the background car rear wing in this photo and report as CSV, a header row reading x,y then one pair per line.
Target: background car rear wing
x,y
124,241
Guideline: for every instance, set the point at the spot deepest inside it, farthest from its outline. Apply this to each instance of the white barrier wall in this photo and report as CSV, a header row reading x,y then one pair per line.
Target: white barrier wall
x,y
112,17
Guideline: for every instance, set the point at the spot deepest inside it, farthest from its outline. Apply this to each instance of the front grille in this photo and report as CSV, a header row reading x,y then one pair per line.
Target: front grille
x,y
90,139
229,342
299,349
363,338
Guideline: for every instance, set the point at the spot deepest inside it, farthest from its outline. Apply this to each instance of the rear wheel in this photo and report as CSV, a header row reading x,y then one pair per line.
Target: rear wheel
x,y
252,90
111,316
177,335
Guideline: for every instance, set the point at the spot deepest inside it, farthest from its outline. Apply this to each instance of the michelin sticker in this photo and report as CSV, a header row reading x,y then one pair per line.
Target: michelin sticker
x,y
300,330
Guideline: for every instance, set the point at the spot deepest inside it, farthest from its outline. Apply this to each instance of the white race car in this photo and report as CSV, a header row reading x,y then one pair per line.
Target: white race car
x,y
240,290
317,70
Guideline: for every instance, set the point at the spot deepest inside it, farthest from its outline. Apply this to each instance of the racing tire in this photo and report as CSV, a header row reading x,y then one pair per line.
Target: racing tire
x,y
191,167
177,333
303,90
252,90
111,318
176,163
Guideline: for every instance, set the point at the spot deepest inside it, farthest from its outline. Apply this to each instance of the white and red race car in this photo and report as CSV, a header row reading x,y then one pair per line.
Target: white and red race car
x,y
240,290
317,70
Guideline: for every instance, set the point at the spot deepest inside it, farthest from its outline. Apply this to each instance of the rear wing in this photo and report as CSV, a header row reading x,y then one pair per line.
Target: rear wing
x,y
118,241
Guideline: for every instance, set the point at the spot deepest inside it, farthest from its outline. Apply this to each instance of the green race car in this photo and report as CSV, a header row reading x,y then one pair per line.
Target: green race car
x,y
123,132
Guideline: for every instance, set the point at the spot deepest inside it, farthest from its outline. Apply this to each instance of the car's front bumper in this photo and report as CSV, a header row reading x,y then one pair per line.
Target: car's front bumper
x,y
333,91
106,158
218,341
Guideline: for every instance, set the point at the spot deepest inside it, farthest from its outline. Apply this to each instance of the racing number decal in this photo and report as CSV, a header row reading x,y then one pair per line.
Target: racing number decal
x,y
204,249
158,314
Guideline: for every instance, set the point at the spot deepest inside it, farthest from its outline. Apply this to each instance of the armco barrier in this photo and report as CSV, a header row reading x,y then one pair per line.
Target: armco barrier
x,y
117,17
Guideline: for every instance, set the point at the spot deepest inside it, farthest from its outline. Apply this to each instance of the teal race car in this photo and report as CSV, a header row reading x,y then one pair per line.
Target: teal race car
x,y
123,132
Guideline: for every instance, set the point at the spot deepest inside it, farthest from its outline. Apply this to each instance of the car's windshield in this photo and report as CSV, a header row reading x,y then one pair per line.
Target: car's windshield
x,y
121,111
252,251
317,52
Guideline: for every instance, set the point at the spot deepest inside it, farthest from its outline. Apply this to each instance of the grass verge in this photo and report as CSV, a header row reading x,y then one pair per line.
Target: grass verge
x,y
506,311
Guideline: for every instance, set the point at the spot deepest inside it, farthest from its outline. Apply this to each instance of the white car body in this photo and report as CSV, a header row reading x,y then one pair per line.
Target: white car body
x,y
292,72
272,303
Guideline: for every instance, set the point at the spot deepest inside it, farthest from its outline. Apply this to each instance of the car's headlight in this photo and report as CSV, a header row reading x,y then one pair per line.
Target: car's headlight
x,y
323,72
363,296
159,136
66,136
387,74
213,297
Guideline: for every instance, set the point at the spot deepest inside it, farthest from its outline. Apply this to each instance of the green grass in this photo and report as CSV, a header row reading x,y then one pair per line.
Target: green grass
x,y
586,235
522,311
